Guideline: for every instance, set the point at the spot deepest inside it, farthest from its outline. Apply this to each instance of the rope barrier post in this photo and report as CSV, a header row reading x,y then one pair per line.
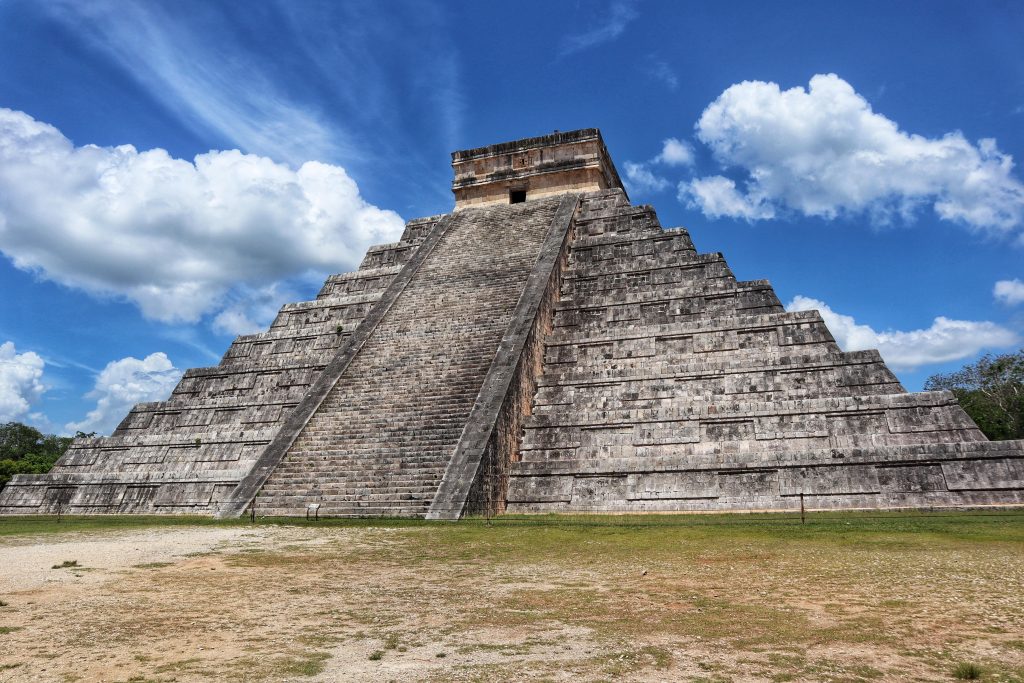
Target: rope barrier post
x,y
802,507
488,496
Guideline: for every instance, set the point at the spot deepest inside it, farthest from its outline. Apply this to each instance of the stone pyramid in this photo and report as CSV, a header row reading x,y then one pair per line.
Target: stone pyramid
x,y
545,347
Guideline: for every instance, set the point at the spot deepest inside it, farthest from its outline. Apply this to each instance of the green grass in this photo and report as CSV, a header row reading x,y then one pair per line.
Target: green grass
x,y
967,671
974,525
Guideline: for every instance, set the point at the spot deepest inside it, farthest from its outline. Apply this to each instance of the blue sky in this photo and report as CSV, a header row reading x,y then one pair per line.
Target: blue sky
x,y
172,172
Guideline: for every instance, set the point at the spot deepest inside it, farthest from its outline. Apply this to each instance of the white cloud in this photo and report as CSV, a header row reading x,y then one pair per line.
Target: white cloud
x,y
173,236
946,340
675,153
824,152
20,382
1009,291
121,385
612,24
717,196
641,179
253,311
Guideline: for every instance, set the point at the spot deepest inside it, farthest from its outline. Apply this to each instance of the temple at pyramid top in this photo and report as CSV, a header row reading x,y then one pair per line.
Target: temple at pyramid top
x,y
512,172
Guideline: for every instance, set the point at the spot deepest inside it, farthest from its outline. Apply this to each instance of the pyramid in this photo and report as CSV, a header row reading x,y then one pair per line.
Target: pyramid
x,y
545,347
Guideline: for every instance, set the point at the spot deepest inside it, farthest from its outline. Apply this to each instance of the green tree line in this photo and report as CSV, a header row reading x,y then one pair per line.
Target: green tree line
x,y
991,391
26,450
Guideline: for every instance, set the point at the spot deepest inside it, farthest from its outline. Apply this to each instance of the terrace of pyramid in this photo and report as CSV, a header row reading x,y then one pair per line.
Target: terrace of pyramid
x,y
545,347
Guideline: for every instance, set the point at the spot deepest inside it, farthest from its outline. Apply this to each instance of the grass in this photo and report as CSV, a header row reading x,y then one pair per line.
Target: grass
x,y
303,664
967,671
976,525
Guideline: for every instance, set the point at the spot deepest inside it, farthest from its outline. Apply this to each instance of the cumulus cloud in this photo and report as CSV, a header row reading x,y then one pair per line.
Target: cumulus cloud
x,y
21,383
717,196
121,385
1009,291
675,152
171,235
823,152
642,179
946,340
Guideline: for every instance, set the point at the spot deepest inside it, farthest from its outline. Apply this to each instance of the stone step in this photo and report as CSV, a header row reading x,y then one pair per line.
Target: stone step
x,y
394,418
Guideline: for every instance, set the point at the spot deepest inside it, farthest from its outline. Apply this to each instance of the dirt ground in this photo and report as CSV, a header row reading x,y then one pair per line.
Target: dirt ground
x,y
840,600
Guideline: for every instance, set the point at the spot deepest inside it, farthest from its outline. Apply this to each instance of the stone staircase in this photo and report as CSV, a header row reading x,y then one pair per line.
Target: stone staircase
x,y
187,454
381,440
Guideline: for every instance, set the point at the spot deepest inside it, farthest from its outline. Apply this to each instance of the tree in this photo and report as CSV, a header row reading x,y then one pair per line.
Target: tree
x,y
991,391
26,450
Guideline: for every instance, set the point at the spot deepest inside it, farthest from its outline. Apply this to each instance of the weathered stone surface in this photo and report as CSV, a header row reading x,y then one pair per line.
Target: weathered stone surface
x,y
381,440
546,347
572,162
189,453
669,385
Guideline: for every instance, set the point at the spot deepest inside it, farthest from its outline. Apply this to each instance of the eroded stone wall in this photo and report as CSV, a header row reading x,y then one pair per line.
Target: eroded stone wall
x,y
670,385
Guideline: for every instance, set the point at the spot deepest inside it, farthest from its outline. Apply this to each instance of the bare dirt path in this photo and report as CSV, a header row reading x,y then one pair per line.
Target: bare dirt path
x,y
27,561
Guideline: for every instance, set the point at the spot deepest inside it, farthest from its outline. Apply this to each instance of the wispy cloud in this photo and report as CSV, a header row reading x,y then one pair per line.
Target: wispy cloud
x,y
372,71
659,70
213,86
610,26
346,83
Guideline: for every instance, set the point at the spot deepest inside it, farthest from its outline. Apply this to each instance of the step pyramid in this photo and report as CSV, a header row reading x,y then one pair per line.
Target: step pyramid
x,y
546,347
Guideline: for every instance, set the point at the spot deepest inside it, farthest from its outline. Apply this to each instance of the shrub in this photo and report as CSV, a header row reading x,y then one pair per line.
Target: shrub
x,y
66,564
967,671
